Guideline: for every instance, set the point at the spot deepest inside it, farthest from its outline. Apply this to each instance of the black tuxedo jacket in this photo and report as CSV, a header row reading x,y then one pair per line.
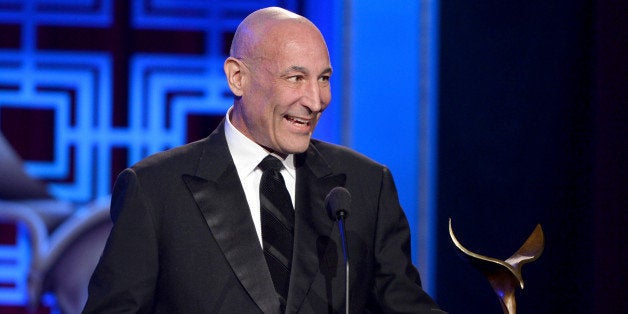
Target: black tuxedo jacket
x,y
183,239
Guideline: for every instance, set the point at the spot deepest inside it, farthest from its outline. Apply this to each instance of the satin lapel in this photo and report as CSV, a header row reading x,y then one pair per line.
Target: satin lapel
x,y
217,191
312,225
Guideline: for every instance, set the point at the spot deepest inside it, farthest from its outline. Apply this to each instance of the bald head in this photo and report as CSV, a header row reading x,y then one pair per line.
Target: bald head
x,y
268,27
279,72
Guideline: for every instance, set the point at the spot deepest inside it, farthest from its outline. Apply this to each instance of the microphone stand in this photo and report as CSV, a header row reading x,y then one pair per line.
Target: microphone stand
x,y
345,253
337,203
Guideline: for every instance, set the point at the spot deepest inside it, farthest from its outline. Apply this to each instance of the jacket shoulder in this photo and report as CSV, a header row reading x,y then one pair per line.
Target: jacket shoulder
x,y
343,159
179,159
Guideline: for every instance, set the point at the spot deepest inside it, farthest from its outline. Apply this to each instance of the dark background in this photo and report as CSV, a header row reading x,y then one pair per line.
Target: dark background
x,y
533,117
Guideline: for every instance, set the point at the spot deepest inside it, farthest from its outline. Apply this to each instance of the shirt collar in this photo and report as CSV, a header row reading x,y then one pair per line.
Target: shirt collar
x,y
247,154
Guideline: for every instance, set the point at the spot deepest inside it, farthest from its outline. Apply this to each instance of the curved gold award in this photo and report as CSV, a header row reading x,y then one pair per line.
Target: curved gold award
x,y
505,276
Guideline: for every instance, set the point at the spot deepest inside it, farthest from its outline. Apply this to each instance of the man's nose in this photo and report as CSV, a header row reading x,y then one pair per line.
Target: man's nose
x,y
313,99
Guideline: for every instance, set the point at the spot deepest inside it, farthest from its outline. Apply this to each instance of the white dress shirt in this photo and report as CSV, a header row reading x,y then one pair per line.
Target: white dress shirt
x,y
247,155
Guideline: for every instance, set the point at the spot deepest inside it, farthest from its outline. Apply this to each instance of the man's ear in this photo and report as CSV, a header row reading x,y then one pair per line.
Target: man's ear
x,y
233,70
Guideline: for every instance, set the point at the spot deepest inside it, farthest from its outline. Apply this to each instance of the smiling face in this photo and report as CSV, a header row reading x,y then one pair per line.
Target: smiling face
x,y
281,84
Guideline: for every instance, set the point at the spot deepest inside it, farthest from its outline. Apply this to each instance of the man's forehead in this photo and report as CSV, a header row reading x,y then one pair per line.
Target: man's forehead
x,y
303,55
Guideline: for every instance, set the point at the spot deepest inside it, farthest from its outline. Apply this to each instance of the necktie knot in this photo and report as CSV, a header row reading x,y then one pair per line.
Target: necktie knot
x,y
270,163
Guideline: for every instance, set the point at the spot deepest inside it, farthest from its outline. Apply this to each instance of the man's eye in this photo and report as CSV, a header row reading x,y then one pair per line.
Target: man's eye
x,y
295,78
324,78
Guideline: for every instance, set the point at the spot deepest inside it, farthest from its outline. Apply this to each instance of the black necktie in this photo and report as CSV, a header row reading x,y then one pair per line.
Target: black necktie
x,y
277,216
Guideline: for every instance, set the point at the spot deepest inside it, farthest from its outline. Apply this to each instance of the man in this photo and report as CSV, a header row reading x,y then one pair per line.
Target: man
x,y
188,236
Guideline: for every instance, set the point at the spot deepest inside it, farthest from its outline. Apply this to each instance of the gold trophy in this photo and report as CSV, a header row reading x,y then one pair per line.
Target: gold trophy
x,y
505,276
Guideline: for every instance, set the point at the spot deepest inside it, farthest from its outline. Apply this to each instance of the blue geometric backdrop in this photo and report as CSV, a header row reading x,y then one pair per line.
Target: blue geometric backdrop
x,y
68,69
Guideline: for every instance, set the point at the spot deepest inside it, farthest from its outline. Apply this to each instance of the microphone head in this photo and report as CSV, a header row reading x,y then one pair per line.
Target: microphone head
x,y
338,200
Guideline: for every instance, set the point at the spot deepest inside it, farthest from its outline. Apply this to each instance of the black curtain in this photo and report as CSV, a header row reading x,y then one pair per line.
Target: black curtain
x,y
532,130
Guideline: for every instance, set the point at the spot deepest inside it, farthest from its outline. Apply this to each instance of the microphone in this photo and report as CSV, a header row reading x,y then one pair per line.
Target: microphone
x,y
338,203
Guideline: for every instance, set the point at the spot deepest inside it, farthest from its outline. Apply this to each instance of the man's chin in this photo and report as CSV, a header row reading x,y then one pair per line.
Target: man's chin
x,y
296,148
